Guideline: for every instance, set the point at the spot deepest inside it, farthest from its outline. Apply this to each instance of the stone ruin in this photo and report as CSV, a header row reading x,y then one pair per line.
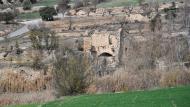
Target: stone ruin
x,y
104,48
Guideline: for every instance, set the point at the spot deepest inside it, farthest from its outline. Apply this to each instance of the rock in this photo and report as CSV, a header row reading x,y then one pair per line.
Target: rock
x,y
7,10
81,13
137,17
7,31
117,10
72,12
2,33
100,10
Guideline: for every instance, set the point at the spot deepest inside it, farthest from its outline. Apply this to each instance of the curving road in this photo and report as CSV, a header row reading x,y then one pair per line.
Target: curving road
x,y
25,29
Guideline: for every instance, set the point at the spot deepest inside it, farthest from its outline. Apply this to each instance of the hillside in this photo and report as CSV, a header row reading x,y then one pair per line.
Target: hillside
x,y
118,53
171,97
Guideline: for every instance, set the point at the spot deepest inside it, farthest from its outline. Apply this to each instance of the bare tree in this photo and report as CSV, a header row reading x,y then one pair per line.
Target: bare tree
x,y
128,10
156,23
42,39
123,33
63,6
94,2
140,27
186,16
147,10
88,10
70,23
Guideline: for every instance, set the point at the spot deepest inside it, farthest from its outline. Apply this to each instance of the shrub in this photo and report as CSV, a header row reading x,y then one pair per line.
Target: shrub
x,y
27,5
47,13
33,1
71,73
8,16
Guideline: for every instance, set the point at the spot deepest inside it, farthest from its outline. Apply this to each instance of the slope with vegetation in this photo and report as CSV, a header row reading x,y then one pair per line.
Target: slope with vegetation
x,y
100,50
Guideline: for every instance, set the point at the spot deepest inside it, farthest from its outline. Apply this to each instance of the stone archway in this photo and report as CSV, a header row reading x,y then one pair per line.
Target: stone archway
x,y
105,54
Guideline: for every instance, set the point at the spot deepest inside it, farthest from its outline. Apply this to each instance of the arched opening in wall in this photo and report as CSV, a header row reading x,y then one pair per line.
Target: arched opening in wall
x,y
105,54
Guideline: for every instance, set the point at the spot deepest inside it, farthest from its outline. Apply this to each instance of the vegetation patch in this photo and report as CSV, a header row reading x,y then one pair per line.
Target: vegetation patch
x,y
33,15
46,3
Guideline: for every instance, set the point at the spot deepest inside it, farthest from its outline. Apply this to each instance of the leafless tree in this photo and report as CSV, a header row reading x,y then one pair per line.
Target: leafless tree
x,y
140,27
128,10
70,23
88,10
85,2
147,10
186,16
156,23
43,40
124,31
63,6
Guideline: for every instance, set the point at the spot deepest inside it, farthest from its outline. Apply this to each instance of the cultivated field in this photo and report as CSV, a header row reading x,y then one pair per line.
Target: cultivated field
x,y
171,97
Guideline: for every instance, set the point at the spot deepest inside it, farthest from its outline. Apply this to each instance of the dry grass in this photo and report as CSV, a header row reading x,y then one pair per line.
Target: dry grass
x,y
23,81
25,98
123,81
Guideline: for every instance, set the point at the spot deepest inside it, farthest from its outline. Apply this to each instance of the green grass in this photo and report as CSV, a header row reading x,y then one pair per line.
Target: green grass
x,y
46,3
118,3
33,15
111,3
171,97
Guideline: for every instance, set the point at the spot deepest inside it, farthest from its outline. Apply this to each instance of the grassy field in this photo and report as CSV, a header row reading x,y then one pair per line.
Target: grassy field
x,y
46,3
171,97
33,15
118,3
111,3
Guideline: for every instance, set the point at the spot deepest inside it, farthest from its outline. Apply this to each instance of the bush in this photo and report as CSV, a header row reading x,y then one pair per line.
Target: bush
x,y
71,73
27,5
47,13
33,1
7,16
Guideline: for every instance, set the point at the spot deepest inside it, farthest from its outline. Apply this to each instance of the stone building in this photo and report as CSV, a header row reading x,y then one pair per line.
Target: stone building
x,y
104,47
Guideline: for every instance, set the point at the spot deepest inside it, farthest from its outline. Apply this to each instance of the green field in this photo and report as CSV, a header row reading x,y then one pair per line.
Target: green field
x,y
171,97
33,15
111,3
118,3
46,3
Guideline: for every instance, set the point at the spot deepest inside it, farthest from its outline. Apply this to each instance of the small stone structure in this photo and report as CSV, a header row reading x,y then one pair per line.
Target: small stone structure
x,y
104,47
